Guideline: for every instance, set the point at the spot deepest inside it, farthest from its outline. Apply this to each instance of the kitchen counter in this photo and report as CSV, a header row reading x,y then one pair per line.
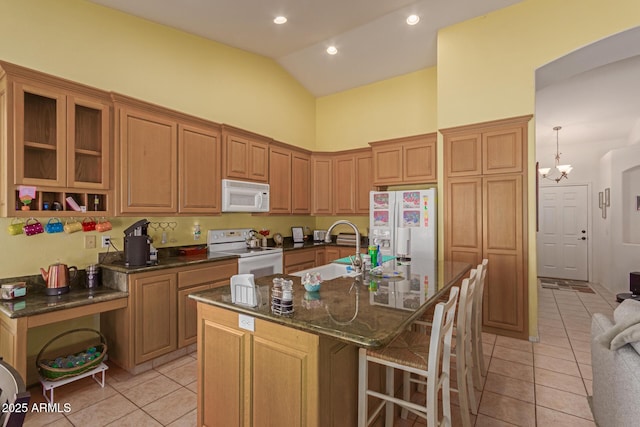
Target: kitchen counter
x,y
167,262
367,312
36,302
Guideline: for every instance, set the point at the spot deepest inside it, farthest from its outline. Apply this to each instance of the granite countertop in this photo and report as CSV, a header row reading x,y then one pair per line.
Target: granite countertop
x,y
166,262
366,311
37,302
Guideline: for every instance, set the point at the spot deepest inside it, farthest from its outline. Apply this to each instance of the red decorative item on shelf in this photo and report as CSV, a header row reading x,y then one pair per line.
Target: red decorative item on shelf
x,y
88,224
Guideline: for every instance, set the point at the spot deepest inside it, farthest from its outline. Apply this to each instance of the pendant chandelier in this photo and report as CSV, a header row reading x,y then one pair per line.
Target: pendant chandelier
x,y
562,169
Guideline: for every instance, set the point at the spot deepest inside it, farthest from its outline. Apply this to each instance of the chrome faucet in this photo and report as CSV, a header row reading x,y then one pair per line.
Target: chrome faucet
x,y
357,260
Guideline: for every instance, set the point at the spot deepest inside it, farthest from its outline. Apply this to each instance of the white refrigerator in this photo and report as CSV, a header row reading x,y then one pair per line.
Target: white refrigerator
x,y
404,223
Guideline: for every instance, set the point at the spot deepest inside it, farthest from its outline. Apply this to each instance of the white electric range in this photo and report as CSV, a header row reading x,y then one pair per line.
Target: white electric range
x,y
260,262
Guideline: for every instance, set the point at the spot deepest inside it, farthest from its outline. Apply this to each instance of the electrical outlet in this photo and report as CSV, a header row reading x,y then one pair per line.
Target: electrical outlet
x,y
106,241
89,242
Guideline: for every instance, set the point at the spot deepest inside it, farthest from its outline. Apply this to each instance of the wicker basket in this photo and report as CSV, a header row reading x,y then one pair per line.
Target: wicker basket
x,y
54,374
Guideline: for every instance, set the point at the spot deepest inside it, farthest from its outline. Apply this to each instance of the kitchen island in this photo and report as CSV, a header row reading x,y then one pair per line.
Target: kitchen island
x,y
258,368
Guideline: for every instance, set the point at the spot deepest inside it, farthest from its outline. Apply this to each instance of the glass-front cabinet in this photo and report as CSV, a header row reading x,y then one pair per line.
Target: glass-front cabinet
x,y
58,138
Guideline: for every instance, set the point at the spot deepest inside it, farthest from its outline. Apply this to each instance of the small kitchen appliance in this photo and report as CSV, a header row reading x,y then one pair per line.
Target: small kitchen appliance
x,y
137,245
58,278
259,261
242,196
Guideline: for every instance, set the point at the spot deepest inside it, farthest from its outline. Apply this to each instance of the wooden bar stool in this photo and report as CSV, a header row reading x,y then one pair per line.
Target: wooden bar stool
x,y
415,353
479,368
464,359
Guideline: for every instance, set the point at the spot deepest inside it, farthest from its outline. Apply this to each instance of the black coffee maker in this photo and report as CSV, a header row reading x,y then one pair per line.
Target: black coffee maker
x,y
137,245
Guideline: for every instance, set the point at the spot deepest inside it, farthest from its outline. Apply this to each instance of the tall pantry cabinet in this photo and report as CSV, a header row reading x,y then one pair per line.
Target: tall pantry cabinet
x,y
485,203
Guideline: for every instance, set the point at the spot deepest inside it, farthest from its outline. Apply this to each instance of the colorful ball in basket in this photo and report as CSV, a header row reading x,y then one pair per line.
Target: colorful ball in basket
x,y
75,364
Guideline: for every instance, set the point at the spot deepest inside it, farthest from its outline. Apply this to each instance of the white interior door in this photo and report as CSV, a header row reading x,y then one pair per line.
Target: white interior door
x,y
562,232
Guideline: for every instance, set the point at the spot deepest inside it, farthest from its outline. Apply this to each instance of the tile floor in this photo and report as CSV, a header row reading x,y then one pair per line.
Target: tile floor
x,y
528,384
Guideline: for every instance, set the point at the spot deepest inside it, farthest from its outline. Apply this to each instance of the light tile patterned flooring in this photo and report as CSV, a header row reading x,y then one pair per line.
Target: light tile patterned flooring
x,y
528,384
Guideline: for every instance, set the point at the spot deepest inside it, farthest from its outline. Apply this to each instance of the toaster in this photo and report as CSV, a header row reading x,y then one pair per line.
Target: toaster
x,y
319,235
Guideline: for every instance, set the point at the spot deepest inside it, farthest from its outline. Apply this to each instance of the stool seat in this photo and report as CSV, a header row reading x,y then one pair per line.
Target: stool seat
x,y
410,349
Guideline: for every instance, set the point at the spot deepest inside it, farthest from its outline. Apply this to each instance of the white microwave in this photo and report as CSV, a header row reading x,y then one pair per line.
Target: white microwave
x,y
243,196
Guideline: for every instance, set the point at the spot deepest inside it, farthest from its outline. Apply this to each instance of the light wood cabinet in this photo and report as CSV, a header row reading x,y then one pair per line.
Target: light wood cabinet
x,y
299,259
193,280
155,317
57,138
245,155
321,184
240,373
159,317
484,205
199,170
279,180
301,182
409,160
148,169
289,180
352,182
169,162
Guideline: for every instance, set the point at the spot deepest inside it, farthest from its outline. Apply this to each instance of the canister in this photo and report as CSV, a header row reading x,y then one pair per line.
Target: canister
x,y
373,253
93,276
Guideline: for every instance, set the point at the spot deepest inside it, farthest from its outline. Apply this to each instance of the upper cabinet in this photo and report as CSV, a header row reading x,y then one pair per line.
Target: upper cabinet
x,y
409,160
322,184
57,137
289,179
245,155
168,162
485,152
352,181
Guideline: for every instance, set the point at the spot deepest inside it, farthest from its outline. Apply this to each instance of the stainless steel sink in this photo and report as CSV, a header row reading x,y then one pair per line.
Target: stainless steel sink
x,y
329,271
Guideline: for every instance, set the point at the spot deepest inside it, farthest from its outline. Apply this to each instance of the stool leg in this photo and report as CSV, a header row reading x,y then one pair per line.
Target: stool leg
x,y
363,373
390,392
406,392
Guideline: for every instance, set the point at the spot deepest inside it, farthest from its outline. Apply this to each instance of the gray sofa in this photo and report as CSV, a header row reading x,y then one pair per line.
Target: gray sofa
x,y
615,357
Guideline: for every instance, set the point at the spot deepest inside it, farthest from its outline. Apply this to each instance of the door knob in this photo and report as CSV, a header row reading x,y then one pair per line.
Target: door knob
x,y
582,238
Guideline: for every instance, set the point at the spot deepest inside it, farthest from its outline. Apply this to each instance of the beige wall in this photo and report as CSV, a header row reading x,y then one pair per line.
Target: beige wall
x,y
402,106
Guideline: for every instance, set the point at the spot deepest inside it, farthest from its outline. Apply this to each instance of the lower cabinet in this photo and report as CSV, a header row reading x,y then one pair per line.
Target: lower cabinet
x,y
154,315
160,317
299,259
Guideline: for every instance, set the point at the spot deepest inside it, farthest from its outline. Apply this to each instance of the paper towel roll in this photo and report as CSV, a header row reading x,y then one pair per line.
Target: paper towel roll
x,y
403,241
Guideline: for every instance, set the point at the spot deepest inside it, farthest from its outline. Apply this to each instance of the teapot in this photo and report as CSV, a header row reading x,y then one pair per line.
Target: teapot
x,y
57,278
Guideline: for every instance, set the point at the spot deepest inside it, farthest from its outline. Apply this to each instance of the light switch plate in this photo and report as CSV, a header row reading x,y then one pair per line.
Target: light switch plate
x,y
246,322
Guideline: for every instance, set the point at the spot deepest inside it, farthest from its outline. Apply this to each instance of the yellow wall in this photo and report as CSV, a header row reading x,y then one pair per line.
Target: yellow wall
x,y
402,106
110,50
486,70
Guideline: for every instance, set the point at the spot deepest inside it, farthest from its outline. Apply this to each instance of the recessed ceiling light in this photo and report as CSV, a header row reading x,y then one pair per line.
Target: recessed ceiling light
x,y
332,50
280,20
413,19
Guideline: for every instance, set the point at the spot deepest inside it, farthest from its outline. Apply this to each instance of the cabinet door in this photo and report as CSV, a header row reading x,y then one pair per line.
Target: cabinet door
x,y
155,316
224,369
387,164
505,302
148,163
291,355
199,171
321,257
364,182
419,161
463,228
259,161
463,154
279,180
344,184
502,151
40,136
332,253
300,183
88,151
187,315
322,185
236,157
